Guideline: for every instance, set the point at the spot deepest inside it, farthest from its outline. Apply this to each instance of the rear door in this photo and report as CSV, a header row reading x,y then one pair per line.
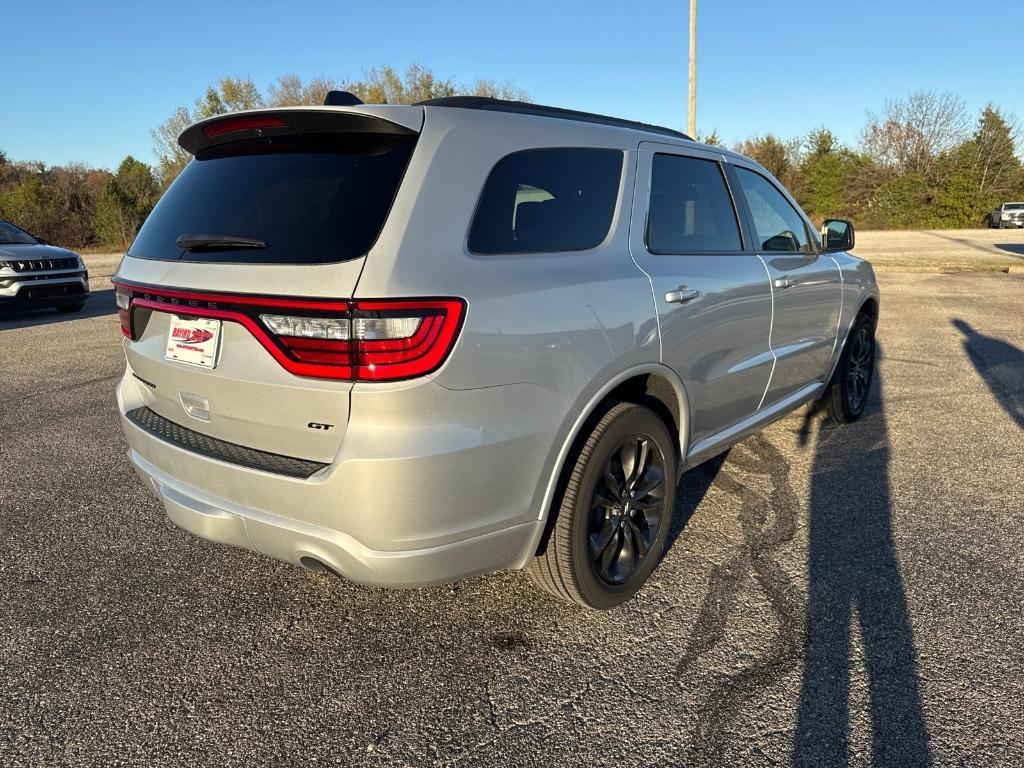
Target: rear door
x,y
807,285
712,292
243,340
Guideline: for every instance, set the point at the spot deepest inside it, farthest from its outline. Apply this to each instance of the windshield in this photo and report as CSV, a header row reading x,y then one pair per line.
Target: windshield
x,y
1013,207
11,235
313,199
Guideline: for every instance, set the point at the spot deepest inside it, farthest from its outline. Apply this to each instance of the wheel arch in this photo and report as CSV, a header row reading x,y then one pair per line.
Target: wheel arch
x,y
868,305
653,385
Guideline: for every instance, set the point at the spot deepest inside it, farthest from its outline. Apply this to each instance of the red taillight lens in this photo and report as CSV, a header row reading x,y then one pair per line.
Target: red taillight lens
x,y
403,339
123,299
380,340
234,124
362,341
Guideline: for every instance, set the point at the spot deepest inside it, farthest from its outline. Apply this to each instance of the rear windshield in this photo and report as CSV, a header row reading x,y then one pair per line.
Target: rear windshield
x,y
312,200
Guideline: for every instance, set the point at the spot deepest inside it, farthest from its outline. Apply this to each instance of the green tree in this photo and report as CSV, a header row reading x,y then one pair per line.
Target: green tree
x,y
777,156
902,201
830,176
990,159
28,202
126,200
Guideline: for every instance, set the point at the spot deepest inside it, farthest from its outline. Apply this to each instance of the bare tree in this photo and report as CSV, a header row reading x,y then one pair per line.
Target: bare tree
x,y
229,95
378,85
912,133
291,91
498,90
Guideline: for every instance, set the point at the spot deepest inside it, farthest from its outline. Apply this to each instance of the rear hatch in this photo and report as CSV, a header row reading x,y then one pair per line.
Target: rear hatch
x,y
235,296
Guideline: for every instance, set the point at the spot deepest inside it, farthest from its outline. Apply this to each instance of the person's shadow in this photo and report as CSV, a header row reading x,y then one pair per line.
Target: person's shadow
x,y
855,580
1000,365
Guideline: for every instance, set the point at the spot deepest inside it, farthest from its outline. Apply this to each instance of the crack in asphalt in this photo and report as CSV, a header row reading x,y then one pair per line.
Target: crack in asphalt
x,y
768,523
65,388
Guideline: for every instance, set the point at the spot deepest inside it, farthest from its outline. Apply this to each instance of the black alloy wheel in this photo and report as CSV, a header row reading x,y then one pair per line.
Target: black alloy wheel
x,y
627,509
612,516
848,393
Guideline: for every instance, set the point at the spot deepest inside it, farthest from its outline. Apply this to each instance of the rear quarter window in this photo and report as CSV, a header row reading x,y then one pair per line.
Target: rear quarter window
x,y
547,200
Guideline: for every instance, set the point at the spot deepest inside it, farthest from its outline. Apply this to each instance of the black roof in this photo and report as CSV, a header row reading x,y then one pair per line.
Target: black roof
x,y
525,108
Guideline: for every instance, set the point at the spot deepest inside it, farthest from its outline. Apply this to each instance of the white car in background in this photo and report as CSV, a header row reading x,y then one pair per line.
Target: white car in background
x,y
1007,215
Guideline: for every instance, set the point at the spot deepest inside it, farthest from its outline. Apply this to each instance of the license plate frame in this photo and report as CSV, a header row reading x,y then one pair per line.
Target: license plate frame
x,y
193,341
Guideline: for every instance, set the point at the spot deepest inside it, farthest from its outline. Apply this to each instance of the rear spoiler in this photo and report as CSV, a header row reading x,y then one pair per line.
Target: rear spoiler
x,y
391,120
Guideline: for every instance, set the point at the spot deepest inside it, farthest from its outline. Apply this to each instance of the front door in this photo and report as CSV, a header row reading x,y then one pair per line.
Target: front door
x,y
711,290
807,287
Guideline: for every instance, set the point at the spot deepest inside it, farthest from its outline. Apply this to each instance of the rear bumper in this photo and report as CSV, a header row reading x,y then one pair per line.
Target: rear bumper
x,y
417,495
321,548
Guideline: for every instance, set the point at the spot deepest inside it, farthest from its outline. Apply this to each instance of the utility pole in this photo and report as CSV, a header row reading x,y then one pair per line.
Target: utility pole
x,y
691,123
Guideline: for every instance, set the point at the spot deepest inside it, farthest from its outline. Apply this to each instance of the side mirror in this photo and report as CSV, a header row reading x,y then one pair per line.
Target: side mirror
x,y
42,240
837,235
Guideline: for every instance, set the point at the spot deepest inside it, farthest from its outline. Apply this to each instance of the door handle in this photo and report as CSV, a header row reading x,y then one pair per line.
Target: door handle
x,y
784,282
681,295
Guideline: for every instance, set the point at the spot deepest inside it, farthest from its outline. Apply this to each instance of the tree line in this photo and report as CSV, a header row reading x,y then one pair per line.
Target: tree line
x,y
923,162
78,206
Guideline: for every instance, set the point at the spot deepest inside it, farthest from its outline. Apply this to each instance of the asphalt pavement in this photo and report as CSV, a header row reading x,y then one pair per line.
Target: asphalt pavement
x,y
831,596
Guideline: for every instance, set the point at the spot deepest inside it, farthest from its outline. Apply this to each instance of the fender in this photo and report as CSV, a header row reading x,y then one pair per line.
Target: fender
x,y
585,413
841,346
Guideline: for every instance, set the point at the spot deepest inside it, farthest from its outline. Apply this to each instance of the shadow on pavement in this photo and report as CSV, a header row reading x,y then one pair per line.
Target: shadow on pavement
x,y
855,582
1016,249
690,491
1000,365
98,304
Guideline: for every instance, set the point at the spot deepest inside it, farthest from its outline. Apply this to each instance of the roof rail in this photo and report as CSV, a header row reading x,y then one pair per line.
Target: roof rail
x,y
525,108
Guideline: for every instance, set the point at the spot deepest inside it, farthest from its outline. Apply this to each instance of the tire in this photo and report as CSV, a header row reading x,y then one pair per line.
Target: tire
x,y
850,388
71,307
633,542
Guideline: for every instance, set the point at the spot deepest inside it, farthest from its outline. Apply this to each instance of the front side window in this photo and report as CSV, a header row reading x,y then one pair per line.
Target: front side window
x,y
779,227
546,200
691,210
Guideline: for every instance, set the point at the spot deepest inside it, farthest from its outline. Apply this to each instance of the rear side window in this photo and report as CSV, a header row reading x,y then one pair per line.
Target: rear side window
x,y
313,199
691,210
779,227
547,200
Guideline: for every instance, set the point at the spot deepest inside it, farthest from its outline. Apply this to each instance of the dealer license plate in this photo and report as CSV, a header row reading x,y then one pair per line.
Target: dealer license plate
x,y
193,340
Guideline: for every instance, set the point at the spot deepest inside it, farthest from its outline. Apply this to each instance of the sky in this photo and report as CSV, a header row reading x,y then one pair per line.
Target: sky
x,y
86,82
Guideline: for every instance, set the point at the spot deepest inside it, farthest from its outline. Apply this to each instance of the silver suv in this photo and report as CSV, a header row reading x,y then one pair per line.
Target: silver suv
x,y
410,344
35,274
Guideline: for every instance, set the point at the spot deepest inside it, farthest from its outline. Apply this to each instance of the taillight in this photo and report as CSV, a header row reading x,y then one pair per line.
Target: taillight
x,y
378,340
362,340
403,339
123,299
